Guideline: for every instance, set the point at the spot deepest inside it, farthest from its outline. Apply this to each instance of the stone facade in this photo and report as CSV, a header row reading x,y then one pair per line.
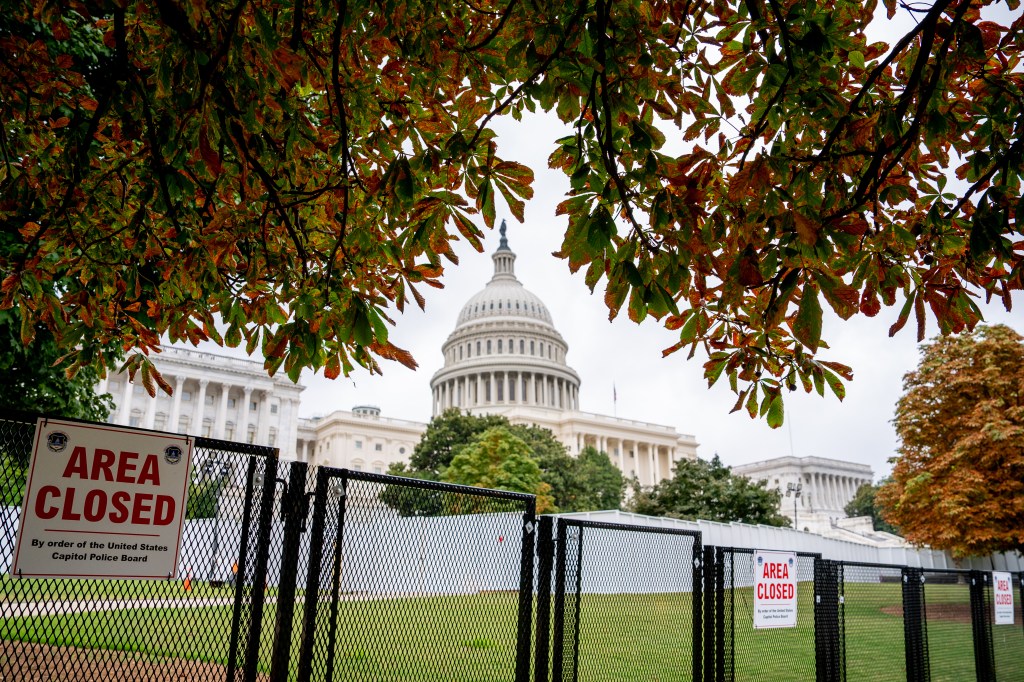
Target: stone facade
x,y
826,487
214,396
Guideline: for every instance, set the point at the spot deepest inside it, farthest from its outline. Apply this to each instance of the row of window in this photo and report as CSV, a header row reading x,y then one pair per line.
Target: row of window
x,y
486,348
505,305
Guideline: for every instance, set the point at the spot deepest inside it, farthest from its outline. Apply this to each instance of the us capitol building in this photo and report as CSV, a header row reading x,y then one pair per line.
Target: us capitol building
x,y
505,356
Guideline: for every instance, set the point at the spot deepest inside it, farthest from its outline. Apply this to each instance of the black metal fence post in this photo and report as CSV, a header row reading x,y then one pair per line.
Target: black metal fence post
x,y
257,590
294,510
696,601
312,595
545,563
709,612
827,643
914,632
243,561
720,617
525,627
981,627
558,629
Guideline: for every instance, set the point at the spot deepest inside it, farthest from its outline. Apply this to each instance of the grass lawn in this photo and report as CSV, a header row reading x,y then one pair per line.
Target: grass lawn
x,y
31,590
471,638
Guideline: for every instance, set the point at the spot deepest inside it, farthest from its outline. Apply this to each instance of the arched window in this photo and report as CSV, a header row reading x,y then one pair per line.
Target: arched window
x,y
488,346
499,341
522,347
533,351
478,348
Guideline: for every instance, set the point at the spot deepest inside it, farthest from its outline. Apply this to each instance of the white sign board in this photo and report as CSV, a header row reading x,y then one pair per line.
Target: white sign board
x,y
102,502
1002,592
774,589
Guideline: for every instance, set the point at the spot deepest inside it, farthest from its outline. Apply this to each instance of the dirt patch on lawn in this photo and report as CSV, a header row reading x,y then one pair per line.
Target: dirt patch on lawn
x,y
952,613
43,663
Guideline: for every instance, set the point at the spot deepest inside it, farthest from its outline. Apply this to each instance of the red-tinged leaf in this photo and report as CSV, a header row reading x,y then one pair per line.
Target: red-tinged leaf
x,y
393,352
28,330
806,228
904,316
672,349
148,382
210,157
749,268
332,370
739,401
29,230
869,303
919,313
839,368
60,122
752,402
835,383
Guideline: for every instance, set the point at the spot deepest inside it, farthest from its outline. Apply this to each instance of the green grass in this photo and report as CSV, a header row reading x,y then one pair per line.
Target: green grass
x,y
32,590
471,638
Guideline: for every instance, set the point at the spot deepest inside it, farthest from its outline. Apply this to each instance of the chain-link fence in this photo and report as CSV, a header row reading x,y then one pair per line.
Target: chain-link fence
x,y
187,627
386,579
292,572
1008,639
743,652
625,602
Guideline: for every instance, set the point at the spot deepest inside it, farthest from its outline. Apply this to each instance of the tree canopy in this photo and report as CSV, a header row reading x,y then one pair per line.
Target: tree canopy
x,y
586,483
499,460
864,504
708,490
958,482
296,172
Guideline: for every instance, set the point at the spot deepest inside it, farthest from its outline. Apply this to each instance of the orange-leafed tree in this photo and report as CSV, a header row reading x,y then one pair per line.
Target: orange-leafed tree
x,y
288,175
958,482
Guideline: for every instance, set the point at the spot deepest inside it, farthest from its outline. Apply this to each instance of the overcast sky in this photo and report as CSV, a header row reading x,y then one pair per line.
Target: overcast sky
x,y
626,358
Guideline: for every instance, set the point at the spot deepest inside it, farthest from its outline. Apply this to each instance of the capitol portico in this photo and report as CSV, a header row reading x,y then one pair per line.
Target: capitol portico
x,y
505,356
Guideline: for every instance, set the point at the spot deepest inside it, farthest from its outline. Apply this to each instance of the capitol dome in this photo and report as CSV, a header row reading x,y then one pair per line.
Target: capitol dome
x,y
505,350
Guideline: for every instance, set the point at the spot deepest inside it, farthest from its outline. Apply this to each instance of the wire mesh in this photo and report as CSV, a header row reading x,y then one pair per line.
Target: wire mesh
x,y
136,629
765,654
1008,640
630,606
872,613
418,581
947,606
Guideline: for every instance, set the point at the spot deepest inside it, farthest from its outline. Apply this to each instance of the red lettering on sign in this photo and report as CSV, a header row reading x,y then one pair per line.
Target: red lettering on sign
x,y
95,505
42,511
103,463
125,466
118,501
163,513
77,464
68,513
140,508
150,471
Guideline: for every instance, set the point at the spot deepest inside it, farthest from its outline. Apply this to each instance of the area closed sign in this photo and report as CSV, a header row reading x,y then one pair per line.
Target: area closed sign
x,y
774,589
1002,593
102,502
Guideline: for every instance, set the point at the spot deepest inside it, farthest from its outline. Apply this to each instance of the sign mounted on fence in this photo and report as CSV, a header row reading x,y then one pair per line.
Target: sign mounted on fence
x,y
1002,594
774,589
102,501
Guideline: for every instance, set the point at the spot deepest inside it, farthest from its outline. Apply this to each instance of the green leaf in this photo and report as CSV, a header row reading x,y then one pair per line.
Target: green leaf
x,y
834,382
775,411
807,326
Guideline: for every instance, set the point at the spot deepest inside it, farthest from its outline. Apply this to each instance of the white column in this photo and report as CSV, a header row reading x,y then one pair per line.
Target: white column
x,y
532,396
657,463
479,391
263,426
179,386
244,421
124,415
222,413
200,406
151,410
